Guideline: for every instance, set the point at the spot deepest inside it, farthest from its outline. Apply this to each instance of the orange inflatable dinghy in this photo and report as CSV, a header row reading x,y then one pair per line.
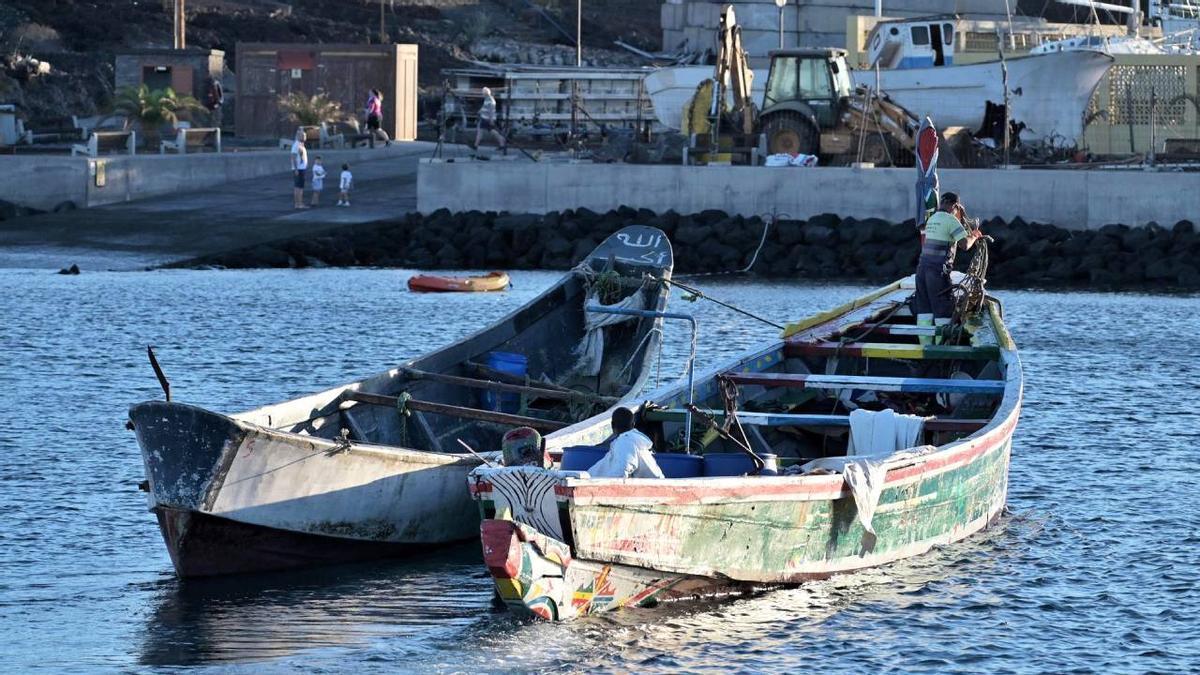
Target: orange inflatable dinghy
x,y
427,283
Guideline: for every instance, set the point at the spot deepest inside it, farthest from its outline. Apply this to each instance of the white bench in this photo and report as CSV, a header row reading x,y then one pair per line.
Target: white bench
x,y
86,125
192,140
317,136
107,141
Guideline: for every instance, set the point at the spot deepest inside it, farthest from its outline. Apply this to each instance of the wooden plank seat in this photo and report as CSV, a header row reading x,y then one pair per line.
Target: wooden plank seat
x,y
192,140
773,419
892,351
100,142
872,383
889,330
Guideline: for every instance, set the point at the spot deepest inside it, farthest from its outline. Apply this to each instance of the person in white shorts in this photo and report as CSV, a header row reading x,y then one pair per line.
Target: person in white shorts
x,y
318,180
344,185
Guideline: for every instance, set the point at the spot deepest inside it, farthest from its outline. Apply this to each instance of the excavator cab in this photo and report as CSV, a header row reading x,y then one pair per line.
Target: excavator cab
x,y
805,94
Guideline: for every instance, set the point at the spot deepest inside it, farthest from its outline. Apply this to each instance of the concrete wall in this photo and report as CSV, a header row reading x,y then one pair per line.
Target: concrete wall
x,y
42,182
1069,199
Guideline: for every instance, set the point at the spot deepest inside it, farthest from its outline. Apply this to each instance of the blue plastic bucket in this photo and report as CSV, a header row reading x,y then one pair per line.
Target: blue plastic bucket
x,y
510,364
581,457
736,464
678,465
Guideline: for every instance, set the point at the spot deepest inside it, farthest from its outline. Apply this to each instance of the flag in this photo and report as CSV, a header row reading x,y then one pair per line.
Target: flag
x,y
927,178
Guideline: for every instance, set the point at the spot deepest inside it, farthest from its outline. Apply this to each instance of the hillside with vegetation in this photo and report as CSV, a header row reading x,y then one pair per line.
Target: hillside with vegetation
x,y
77,38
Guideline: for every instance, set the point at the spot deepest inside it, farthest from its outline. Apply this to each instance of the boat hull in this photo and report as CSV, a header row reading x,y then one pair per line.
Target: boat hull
x,y
244,498
1048,92
425,283
369,468
202,545
684,539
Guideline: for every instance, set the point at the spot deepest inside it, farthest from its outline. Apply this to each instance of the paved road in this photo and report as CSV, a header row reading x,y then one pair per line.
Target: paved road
x,y
158,230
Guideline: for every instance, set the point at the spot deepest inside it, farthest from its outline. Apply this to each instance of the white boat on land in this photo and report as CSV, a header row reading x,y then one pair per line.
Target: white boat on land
x,y
670,89
1048,93
373,468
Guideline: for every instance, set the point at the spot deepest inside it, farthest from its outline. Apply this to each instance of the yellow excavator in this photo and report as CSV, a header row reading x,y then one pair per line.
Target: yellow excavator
x,y
809,107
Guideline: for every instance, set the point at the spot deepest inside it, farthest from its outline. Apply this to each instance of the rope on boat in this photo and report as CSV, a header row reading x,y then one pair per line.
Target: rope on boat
x,y
768,221
970,295
698,294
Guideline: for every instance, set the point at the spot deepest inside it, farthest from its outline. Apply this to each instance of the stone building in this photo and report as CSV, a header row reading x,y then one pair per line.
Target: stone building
x,y
187,71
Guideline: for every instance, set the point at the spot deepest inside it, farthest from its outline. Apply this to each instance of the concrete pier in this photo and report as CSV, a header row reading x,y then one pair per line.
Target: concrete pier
x,y
48,182
196,220
1071,199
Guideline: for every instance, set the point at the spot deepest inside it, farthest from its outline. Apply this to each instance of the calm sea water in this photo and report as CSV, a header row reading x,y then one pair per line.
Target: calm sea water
x,y
1094,568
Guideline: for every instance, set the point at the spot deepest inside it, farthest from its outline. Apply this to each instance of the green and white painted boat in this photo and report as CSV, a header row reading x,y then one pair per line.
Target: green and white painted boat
x,y
560,544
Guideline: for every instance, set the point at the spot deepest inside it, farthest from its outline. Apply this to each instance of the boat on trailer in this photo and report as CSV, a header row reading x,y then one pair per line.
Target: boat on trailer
x,y
561,545
375,468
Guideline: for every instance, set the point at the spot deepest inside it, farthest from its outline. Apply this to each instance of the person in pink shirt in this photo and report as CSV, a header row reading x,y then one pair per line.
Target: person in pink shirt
x,y
374,111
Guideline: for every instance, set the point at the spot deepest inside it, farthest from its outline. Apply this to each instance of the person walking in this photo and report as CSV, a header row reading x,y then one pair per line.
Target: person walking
x,y
945,231
374,112
487,122
214,98
299,169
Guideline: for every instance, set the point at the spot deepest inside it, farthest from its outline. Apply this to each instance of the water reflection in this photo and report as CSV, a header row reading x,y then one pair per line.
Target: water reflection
x,y
277,615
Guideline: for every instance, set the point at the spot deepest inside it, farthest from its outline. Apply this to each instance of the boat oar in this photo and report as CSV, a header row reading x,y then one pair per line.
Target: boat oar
x,y
477,455
158,372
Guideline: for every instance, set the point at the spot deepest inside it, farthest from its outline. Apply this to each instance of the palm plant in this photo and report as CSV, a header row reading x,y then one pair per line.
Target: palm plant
x,y
310,111
152,109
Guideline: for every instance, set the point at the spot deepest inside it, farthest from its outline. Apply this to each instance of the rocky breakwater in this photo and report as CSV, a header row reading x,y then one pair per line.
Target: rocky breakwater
x,y
823,247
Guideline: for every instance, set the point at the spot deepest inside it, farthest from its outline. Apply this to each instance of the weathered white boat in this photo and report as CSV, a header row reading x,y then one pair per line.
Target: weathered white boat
x,y
560,544
670,90
374,468
1048,92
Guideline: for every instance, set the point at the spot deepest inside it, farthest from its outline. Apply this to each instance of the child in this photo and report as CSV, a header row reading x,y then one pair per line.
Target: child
x,y
318,180
347,181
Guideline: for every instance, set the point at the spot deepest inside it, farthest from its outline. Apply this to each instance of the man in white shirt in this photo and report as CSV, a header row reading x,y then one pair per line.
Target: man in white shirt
x,y
299,169
629,453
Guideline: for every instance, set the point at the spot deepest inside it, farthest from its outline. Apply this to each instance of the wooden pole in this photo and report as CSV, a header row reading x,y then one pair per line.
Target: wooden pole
x,y
457,411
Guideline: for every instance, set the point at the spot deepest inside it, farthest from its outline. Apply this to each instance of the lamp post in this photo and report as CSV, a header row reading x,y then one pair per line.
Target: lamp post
x,y
781,4
578,33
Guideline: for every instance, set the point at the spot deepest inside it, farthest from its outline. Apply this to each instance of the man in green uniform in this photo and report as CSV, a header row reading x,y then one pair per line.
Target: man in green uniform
x,y
944,232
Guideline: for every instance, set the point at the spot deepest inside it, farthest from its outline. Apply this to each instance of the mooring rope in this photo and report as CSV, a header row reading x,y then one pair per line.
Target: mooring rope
x,y
768,221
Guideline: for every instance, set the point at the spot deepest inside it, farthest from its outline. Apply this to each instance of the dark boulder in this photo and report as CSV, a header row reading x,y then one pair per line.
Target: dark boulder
x,y
825,220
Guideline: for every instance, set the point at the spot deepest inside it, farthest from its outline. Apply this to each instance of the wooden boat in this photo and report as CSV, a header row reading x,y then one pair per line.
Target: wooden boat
x,y
560,544
375,468
429,283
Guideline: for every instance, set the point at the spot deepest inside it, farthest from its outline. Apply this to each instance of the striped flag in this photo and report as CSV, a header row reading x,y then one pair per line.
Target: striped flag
x,y
927,178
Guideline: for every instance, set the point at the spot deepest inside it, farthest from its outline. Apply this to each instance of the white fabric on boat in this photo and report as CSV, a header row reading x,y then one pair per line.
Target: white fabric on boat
x,y
882,432
628,456
591,350
876,438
